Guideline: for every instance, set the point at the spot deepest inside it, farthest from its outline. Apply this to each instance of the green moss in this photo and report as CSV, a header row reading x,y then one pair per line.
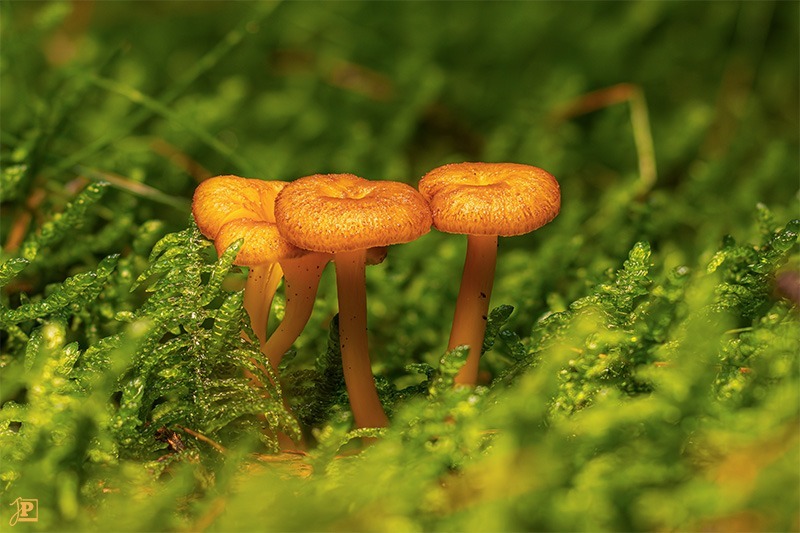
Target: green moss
x,y
640,367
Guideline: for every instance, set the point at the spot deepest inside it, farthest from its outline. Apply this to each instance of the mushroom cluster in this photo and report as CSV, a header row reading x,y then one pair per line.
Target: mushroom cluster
x,y
292,230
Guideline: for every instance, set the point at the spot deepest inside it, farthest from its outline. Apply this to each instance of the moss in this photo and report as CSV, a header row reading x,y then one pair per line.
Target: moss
x,y
640,366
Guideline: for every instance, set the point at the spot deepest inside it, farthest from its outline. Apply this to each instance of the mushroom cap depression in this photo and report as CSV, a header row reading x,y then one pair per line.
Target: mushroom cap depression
x,y
342,213
228,208
490,198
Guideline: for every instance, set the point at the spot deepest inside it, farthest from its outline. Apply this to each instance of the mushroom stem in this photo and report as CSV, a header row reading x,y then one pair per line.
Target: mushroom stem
x,y
262,282
352,292
301,282
472,306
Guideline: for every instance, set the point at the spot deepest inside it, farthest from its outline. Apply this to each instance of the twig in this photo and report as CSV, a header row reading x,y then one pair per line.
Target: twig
x,y
19,227
199,436
180,159
640,123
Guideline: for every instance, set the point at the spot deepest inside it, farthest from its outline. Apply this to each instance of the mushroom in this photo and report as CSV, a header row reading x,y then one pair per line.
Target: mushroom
x,y
344,215
228,208
484,201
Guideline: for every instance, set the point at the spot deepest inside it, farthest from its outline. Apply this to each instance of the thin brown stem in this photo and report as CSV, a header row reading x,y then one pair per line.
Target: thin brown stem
x,y
262,282
640,123
472,305
351,287
199,436
301,277
19,227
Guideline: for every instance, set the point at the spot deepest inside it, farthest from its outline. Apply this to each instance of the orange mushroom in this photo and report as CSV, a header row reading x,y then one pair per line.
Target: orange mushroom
x,y
344,215
228,208
484,201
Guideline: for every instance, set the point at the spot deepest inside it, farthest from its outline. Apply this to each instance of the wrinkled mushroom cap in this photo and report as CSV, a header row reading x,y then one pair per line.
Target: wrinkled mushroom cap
x,y
341,213
490,198
228,208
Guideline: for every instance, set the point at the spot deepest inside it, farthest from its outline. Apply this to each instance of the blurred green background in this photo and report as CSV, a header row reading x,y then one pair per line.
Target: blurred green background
x,y
673,124
389,91
703,127
695,121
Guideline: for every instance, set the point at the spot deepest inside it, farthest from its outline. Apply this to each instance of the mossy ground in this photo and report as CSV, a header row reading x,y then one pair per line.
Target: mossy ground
x,y
641,368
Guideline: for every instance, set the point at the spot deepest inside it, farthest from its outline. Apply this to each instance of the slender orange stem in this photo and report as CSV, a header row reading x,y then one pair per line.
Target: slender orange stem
x,y
472,305
352,291
262,282
301,277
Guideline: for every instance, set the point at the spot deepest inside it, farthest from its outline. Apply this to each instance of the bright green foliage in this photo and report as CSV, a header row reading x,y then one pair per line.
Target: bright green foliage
x,y
11,268
70,220
178,365
610,356
75,291
750,269
320,389
648,378
10,180
496,320
187,373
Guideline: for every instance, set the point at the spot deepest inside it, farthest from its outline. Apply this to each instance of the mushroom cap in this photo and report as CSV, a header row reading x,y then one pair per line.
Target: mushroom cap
x,y
341,213
490,198
228,208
